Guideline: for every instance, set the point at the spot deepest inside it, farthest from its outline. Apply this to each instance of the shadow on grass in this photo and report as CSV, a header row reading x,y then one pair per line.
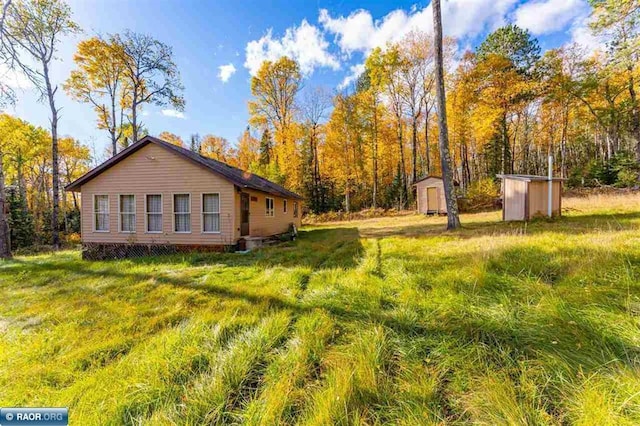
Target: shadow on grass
x,y
509,274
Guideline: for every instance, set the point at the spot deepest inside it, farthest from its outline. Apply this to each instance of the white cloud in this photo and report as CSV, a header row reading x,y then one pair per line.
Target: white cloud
x,y
582,35
173,113
225,72
354,73
461,18
548,16
305,44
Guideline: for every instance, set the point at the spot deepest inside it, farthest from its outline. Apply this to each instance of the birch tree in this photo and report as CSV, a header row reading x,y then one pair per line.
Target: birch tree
x,y
31,32
453,221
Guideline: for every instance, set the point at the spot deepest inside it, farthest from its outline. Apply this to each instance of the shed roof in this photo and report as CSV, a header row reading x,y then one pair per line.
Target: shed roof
x,y
529,178
236,176
432,177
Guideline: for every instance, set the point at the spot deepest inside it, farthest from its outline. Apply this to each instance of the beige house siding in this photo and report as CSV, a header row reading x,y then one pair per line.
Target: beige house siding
x,y
421,192
515,193
539,198
523,200
155,170
260,224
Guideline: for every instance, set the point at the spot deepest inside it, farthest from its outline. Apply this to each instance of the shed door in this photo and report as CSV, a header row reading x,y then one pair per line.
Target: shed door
x,y
244,214
432,199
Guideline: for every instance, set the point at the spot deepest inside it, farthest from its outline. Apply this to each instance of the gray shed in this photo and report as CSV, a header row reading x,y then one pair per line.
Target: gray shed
x,y
430,195
526,196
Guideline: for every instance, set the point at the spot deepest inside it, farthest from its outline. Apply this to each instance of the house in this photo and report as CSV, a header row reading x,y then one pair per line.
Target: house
x,y
430,195
155,197
525,196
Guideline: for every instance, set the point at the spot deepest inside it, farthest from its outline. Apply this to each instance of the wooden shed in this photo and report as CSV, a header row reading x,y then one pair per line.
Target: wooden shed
x,y
525,196
430,195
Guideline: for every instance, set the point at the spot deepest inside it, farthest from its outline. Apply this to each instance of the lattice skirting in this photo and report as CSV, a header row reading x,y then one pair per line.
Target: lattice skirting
x,y
108,251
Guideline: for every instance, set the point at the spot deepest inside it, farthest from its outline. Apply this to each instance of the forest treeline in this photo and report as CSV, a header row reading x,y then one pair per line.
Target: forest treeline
x,y
509,106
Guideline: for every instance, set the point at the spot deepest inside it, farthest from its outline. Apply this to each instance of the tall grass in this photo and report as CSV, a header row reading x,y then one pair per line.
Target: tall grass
x,y
377,321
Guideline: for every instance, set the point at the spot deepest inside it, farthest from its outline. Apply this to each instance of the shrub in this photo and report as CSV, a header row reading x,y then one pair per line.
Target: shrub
x,y
482,194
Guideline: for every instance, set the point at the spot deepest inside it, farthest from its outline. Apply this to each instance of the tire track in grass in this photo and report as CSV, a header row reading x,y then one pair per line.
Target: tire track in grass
x,y
355,382
213,396
149,375
282,393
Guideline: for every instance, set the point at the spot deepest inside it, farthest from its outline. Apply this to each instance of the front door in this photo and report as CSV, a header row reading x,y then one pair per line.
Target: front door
x,y
244,214
432,199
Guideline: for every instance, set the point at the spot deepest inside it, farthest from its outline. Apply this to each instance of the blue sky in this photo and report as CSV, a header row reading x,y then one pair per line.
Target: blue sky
x,y
329,38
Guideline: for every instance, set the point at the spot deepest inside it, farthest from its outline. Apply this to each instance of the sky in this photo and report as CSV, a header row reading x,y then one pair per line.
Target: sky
x,y
217,46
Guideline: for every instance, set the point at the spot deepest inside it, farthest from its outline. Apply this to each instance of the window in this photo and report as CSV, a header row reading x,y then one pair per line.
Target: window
x,y
127,213
269,207
295,209
154,213
285,205
210,212
101,213
182,212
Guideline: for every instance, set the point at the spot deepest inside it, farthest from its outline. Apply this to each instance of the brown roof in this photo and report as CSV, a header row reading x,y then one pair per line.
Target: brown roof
x,y
528,178
236,176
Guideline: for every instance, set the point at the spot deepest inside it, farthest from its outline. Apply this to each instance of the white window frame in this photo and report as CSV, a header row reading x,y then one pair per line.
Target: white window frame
x,y
202,213
284,206
120,213
271,210
296,207
93,208
147,213
173,215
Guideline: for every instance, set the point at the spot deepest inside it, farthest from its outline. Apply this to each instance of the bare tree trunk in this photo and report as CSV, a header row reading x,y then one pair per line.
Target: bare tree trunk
x,y
55,172
5,235
414,147
134,117
635,114
453,221
426,140
402,160
375,155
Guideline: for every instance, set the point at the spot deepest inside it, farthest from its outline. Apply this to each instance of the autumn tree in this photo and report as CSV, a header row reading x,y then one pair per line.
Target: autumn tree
x,y
218,148
150,75
505,64
171,138
248,150
453,221
274,89
99,80
619,20
32,31
7,94
315,104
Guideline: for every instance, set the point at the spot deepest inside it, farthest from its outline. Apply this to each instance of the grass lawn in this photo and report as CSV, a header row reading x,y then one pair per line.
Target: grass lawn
x,y
378,321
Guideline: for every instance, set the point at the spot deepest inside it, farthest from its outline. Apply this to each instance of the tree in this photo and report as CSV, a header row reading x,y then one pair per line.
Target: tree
x,y
171,138
218,148
513,43
99,81
274,88
6,92
265,147
453,220
150,73
32,30
248,150
195,143
5,232
314,109
620,21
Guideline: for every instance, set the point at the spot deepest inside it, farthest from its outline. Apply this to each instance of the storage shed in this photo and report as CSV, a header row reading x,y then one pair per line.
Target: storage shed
x,y
525,196
430,195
